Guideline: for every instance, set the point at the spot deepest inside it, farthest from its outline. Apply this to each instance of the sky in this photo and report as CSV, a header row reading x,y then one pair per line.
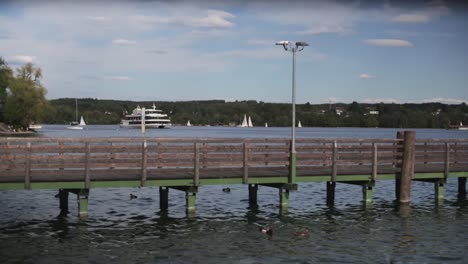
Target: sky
x,y
363,51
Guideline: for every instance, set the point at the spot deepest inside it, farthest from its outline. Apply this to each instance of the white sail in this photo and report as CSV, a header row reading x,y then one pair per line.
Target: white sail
x,y
244,122
188,123
266,124
299,125
82,122
250,122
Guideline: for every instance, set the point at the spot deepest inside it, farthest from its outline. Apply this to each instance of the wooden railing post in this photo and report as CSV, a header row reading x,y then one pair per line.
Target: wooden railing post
x,y
27,175
245,151
334,159
407,168
196,165
144,162
87,164
374,162
447,160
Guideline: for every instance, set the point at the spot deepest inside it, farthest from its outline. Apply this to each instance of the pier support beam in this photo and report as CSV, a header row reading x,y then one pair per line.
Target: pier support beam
x,y
284,199
190,198
331,193
163,198
462,188
253,189
63,198
367,195
82,196
439,190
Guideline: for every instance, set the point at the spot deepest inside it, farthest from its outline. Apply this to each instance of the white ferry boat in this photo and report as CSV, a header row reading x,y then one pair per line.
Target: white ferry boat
x,y
153,118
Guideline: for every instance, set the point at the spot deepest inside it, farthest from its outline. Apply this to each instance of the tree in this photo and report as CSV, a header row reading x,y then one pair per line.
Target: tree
x,y
25,97
6,74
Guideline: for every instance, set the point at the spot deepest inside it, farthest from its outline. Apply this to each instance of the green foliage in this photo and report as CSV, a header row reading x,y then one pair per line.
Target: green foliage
x,y
219,112
25,97
6,74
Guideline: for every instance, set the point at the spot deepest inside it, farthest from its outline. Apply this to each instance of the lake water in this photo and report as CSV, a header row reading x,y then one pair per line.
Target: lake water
x,y
225,230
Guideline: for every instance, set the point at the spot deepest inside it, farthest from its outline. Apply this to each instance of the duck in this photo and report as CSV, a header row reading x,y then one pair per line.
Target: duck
x,y
227,190
305,232
267,230
132,196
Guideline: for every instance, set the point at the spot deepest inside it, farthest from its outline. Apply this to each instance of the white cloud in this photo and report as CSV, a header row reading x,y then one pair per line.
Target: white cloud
x,y
325,29
124,42
389,42
432,10
121,78
214,18
380,100
21,59
366,76
445,100
411,18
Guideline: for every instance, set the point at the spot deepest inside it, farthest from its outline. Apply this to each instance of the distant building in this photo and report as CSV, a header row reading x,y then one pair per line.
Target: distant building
x,y
339,110
373,112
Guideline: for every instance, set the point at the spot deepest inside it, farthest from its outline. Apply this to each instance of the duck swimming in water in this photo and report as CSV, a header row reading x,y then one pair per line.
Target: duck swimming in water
x,y
267,230
227,190
132,196
305,232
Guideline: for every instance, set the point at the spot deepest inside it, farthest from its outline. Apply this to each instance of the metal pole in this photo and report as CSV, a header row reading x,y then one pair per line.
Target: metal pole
x,y
293,144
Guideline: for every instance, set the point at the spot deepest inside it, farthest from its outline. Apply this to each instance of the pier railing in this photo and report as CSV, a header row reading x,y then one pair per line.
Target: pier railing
x,y
89,159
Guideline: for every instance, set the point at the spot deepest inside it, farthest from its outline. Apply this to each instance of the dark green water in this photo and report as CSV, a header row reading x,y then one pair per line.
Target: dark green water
x,y
224,230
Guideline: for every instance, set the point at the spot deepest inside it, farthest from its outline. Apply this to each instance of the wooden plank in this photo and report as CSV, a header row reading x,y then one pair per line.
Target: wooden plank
x,y
447,160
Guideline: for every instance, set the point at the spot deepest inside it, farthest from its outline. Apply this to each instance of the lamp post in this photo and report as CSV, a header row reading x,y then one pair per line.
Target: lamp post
x,y
293,47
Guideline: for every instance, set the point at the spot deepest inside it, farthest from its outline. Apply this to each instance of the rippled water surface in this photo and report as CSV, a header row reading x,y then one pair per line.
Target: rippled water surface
x,y
225,230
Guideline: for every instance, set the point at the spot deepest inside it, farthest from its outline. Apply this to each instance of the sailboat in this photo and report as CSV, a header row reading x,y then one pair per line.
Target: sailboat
x,y
250,122
244,122
266,124
188,123
299,125
75,125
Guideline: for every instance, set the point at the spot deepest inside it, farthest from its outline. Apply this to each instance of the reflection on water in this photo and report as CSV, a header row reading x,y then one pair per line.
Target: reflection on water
x,y
224,228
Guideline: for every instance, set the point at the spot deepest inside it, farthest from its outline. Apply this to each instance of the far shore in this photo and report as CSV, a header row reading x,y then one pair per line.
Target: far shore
x,y
5,131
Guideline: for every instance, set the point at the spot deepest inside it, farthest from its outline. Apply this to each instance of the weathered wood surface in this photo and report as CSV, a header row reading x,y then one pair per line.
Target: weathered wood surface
x,y
88,159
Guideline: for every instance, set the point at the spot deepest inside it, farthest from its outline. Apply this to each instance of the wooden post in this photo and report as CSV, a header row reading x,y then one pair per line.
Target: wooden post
x,y
163,198
447,161
461,188
87,159
27,175
292,165
63,199
253,188
144,161
331,193
83,202
374,162
397,164
196,165
407,168
334,158
245,178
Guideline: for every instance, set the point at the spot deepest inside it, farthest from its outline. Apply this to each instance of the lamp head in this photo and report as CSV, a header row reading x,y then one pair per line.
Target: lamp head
x,y
283,43
301,44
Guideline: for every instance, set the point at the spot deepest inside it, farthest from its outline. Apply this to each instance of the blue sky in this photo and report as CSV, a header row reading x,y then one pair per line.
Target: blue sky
x,y
364,51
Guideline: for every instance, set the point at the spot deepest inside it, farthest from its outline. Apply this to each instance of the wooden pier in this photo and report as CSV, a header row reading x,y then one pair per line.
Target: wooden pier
x,y
79,164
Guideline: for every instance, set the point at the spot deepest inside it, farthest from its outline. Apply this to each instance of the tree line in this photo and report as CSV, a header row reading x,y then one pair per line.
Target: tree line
x,y
220,112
